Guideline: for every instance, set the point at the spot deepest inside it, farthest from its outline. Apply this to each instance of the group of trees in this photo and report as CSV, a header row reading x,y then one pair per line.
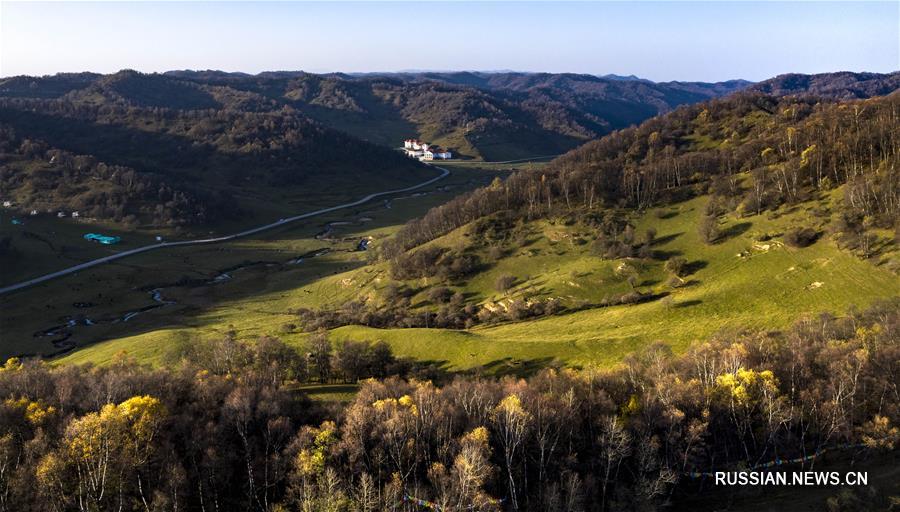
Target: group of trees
x,y
790,147
434,261
224,428
451,312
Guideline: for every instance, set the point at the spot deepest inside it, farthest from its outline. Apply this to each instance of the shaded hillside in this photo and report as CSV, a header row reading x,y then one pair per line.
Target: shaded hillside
x,y
204,154
36,176
494,116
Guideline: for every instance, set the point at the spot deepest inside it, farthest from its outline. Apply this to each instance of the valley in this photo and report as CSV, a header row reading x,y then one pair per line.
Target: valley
x,y
615,290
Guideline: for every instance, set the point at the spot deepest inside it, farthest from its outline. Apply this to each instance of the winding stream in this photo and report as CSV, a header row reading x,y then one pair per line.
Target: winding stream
x,y
62,333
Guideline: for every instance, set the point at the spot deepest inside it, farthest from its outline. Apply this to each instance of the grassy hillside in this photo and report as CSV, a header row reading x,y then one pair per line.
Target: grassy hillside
x,y
767,287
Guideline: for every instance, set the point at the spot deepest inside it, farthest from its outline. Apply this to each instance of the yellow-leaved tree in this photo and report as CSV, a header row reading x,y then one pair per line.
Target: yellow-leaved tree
x,y
103,453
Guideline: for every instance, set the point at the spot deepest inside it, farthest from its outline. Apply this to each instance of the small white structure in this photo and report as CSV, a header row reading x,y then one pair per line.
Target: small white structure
x,y
34,212
414,144
75,215
7,204
425,151
60,214
436,153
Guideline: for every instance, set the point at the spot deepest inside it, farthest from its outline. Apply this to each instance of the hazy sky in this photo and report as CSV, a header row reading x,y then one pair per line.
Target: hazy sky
x,y
661,41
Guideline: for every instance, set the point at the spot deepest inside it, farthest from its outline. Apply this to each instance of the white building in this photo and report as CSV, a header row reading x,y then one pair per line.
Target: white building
x,y
7,204
75,214
436,153
60,214
424,151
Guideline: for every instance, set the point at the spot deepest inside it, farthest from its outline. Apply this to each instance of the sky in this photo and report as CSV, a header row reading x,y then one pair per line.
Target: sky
x,y
699,41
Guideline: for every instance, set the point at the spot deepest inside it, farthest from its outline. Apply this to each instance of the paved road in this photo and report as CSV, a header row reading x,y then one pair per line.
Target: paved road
x,y
505,161
280,222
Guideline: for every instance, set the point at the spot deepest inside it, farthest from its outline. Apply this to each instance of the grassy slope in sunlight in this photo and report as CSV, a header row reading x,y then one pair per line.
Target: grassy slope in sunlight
x,y
768,289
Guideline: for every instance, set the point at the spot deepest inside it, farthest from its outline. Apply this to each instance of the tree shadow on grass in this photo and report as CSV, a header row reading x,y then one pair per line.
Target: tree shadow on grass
x,y
664,255
733,231
694,266
668,214
515,367
665,239
688,303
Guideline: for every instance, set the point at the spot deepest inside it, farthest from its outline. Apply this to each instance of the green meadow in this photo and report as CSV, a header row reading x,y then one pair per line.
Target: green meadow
x,y
737,283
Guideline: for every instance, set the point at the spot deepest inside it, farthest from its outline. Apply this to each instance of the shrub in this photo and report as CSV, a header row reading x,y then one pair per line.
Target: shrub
x,y
708,229
440,295
505,282
676,265
495,253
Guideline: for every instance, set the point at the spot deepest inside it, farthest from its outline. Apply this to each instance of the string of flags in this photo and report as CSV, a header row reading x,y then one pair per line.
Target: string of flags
x,y
779,461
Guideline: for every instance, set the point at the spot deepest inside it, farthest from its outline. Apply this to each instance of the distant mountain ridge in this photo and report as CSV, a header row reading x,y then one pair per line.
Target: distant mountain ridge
x,y
495,116
841,85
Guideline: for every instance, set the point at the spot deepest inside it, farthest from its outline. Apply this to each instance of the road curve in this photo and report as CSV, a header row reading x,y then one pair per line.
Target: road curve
x,y
225,238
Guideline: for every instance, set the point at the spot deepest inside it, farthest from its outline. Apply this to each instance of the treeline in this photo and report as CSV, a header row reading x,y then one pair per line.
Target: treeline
x,y
40,177
791,148
225,428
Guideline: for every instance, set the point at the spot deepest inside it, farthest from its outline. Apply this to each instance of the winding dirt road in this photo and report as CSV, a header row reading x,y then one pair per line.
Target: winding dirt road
x,y
225,238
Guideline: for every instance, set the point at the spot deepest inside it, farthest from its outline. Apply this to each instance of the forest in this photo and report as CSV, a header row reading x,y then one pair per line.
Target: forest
x,y
226,425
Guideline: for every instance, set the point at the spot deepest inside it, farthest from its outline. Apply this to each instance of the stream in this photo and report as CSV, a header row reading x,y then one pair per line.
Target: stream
x,y
62,333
